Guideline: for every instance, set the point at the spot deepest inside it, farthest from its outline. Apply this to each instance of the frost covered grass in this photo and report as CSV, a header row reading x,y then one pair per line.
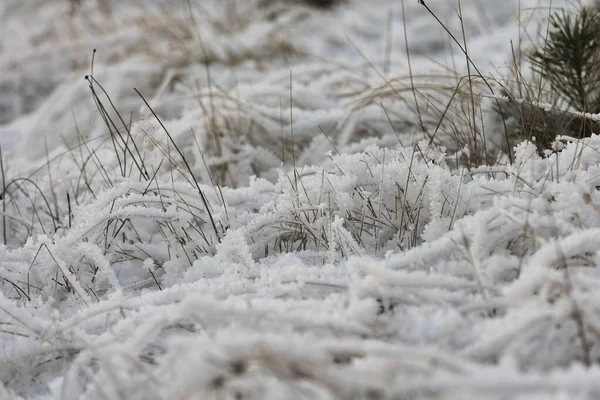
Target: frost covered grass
x,y
268,200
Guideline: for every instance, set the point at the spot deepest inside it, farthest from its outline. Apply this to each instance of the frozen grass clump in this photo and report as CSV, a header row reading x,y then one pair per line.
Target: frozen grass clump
x,y
367,202
505,269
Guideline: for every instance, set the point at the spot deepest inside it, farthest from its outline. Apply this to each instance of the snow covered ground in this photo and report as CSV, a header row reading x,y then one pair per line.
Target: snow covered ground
x,y
239,201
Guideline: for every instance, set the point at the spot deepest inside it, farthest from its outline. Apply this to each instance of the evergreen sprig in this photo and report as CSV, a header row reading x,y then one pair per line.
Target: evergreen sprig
x,y
570,57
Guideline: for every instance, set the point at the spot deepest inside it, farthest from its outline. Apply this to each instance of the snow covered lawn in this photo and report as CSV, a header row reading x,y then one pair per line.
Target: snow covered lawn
x,y
264,199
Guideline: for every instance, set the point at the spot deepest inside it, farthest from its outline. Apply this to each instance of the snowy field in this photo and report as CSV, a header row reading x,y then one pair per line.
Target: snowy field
x,y
268,199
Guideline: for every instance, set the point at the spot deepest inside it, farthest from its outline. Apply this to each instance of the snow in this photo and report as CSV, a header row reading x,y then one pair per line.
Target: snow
x,y
278,225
